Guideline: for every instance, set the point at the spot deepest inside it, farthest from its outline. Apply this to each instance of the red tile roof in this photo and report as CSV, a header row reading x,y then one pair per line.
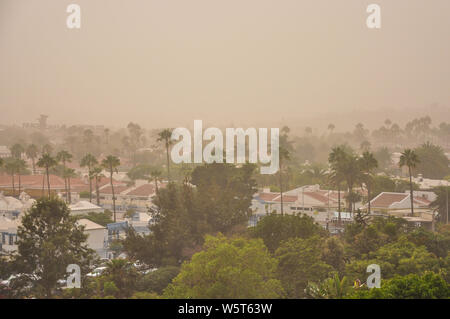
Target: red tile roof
x,y
35,181
143,190
117,189
384,200
319,197
286,198
268,197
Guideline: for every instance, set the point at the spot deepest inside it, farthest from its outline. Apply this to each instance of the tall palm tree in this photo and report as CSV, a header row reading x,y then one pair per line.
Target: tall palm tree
x,y
367,163
64,157
96,174
68,174
20,168
89,161
352,175
47,161
284,156
17,150
336,159
155,176
111,163
10,168
165,137
47,149
410,159
32,153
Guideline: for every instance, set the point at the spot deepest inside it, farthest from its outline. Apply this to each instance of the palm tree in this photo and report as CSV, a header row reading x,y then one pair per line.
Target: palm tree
x,y
155,175
336,158
331,128
47,149
10,168
337,288
17,150
284,155
367,163
47,161
441,203
165,137
68,174
64,157
409,158
89,161
20,167
352,176
96,174
111,163
32,152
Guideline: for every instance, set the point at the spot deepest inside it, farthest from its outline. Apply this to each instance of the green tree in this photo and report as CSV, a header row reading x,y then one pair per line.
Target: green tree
x,y
410,159
274,228
336,158
89,161
367,164
228,268
413,286
64,157
49,239
155,175
68,174
284,156
47,161
11,169
123,275
156,281
111,163
165,137
96,174
330,288
32,152
442,202
21,168
433,161
17,150
299,263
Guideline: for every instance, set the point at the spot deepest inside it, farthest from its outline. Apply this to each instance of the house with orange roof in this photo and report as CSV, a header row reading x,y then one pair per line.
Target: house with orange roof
x,y
309,200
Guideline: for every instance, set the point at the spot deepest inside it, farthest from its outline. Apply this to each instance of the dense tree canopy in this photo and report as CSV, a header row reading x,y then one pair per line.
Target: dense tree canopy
x,y
234,268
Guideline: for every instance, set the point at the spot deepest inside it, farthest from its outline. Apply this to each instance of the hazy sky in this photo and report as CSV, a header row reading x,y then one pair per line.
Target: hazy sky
x,y
168,62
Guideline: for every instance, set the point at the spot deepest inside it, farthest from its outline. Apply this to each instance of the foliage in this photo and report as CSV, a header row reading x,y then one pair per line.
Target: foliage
x,y
49,239
413,286
434,163
228,268
274,228
99,218
156,281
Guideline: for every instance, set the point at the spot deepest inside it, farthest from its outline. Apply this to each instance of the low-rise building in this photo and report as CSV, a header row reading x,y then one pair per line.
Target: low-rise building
x,y
97,237
309,200
84,207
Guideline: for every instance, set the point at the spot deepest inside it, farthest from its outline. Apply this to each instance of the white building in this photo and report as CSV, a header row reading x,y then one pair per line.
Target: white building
x,y
11,207
4,151
8,234
84,207
97,236
309,200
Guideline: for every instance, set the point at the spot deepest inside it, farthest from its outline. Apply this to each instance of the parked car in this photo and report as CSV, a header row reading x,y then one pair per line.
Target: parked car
x,y
97,272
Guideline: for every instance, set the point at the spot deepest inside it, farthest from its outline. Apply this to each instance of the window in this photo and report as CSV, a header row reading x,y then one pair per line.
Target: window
x,y
11,239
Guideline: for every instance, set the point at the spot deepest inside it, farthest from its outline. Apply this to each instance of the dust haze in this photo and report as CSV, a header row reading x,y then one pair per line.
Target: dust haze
x,y
253,62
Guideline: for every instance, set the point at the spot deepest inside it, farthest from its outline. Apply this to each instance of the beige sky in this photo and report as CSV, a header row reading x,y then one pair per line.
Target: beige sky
x,y
242,62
